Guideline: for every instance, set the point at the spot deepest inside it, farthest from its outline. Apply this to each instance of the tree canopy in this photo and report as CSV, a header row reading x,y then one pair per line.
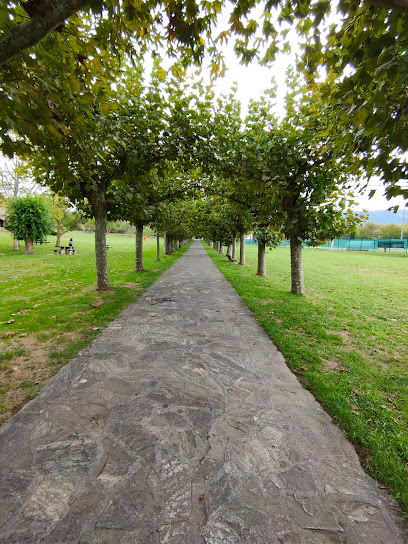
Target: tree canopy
x,y
29,219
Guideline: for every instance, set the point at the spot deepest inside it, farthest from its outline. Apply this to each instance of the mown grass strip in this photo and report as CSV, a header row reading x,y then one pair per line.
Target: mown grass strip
x,y
50,309
347,341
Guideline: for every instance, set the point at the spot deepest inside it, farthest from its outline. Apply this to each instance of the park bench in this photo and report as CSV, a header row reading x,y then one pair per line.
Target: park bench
x,y
65,250
41,242
108,246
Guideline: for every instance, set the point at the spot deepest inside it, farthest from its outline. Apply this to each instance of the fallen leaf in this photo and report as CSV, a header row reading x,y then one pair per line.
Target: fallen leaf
x,y
10,322
54,317
22,311
8,335
95,328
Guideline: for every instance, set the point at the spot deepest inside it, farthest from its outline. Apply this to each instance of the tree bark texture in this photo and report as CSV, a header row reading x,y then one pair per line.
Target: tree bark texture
x,y
16,244
296,267
261,258
234,247
158,246
242,247
139,248
221,249
99,211
164,245
58,242
29,246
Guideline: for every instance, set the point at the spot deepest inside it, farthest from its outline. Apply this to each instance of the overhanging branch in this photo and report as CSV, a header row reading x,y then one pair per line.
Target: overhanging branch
x,y
46,17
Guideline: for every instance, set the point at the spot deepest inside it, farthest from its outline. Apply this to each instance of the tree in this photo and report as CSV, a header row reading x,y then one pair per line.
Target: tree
x,y
30,220
368,230
16,180
302,167
104,135
83,155
389,231
65,218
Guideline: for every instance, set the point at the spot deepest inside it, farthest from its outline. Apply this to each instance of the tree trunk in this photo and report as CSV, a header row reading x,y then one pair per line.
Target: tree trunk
x,y
242,247
221,249
229,250
261,258
139,248
158,245
296,267
58,242
234,247
99,212
16,244
29,246
164,245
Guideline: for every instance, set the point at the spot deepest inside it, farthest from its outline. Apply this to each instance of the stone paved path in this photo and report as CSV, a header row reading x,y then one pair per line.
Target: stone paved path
x,y
181,424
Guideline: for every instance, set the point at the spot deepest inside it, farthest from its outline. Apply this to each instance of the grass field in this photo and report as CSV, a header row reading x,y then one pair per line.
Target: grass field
x,y
50,309
347,341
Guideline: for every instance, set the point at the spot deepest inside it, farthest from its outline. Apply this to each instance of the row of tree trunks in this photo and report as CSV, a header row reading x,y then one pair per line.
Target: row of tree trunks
x,y
296,261
232,247
296,265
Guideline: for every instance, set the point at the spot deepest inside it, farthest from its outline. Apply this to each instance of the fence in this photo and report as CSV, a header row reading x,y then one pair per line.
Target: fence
x,y
360,244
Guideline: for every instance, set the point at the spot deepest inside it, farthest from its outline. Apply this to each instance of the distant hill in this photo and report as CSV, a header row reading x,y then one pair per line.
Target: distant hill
x,y
383,217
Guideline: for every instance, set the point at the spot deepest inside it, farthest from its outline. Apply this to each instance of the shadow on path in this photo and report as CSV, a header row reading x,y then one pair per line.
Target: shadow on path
x,y
181,424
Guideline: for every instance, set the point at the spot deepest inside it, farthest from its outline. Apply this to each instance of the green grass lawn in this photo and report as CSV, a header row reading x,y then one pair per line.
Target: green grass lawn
x,y
347,341
50,309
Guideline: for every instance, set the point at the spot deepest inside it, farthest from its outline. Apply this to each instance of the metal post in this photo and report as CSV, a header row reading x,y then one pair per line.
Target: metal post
x,y
403,220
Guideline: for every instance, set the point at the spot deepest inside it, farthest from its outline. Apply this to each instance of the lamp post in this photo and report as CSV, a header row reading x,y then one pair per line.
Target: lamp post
x,y
403,220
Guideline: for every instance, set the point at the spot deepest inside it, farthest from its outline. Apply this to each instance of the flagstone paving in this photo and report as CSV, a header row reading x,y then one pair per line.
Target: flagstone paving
x,y
181,424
